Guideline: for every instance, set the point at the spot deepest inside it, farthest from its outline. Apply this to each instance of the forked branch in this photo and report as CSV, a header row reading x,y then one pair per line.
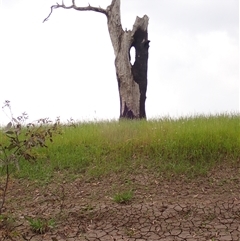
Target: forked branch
x,y
73,6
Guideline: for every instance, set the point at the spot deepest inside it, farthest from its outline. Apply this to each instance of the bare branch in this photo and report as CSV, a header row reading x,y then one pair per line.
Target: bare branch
x,y
73,6
90,8
52,7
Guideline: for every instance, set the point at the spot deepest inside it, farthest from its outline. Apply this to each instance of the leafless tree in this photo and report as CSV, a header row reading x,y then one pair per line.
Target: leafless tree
x,y
132,79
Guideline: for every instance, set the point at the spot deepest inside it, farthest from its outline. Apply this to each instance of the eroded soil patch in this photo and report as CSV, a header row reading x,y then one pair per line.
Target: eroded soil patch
x,y
176,208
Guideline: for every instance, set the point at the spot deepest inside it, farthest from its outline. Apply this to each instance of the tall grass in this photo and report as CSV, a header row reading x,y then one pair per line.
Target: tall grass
x,y
188,146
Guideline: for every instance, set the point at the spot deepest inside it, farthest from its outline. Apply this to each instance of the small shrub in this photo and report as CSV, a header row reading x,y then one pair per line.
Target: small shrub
x,y
22,142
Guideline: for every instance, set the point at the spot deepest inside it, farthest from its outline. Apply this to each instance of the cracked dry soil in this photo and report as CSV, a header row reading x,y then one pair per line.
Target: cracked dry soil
x,y
173,208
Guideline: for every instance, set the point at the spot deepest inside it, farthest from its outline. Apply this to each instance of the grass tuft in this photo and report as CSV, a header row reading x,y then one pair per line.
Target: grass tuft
x,y
123,197
40,225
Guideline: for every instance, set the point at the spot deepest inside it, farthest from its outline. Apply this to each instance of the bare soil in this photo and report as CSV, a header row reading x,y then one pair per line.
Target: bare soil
x,y
162,208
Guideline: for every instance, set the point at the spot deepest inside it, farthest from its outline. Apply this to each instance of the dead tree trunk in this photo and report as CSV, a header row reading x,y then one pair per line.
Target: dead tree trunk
x,y
132,79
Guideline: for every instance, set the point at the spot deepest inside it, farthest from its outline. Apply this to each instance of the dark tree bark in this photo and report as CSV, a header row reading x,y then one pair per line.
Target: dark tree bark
x,y
132,79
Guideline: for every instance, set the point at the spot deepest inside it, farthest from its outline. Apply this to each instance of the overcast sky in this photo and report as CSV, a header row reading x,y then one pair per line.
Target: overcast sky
x,y
65,66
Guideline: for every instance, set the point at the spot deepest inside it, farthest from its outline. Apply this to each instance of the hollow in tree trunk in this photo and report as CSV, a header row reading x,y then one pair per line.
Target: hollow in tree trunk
x,y
132,79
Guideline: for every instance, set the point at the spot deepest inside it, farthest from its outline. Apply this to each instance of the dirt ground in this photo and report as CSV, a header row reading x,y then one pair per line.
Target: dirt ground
x,y
173,208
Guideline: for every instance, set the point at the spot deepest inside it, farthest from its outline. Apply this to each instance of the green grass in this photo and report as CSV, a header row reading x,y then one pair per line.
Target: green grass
x,y
123,197
40,225
189,146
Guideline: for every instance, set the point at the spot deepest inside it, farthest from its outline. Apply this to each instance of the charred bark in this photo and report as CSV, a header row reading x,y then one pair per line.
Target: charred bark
x,y
132,79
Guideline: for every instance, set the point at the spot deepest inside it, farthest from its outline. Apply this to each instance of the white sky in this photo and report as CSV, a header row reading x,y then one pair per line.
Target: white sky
x,y
65,67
